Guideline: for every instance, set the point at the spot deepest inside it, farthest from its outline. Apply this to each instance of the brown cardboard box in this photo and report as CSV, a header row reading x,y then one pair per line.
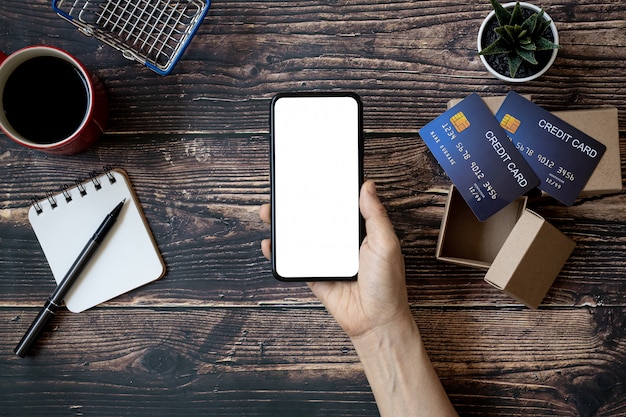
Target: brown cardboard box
x,y
602,125
493,103
522,252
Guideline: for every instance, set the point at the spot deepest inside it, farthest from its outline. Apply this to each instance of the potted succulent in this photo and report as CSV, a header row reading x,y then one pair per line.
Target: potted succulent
x,y
517,42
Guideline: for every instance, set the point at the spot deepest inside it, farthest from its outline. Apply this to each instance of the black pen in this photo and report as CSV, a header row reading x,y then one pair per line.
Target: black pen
x,y
54,301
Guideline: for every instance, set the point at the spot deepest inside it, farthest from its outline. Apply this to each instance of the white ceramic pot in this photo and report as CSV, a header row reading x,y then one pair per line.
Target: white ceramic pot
x,y
496,74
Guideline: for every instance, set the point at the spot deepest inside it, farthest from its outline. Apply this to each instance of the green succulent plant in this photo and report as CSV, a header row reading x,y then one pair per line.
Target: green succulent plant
x,y
519,38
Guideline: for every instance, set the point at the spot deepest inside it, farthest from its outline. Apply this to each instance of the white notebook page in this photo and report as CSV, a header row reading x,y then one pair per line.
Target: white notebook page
x,y
126,259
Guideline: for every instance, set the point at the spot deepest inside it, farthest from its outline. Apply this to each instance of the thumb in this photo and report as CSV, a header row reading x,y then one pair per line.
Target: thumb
x,y
377,223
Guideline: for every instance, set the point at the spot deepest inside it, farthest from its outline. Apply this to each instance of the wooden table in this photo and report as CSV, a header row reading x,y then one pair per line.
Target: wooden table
x,y
218,335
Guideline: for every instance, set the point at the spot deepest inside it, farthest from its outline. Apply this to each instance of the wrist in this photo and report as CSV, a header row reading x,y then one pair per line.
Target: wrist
x,y
402,379
398,333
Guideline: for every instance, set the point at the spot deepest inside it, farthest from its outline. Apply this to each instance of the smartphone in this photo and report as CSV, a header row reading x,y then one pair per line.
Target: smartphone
x,y
316,175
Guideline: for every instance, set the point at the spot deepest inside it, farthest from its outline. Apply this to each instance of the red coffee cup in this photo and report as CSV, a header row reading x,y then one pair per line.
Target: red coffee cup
x,y
49,102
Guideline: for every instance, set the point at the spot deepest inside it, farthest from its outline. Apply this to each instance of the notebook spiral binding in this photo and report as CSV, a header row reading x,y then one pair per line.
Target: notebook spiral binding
x,y
79,184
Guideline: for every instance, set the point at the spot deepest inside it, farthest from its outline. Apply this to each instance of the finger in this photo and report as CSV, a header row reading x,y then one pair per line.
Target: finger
x,y
266,248
377,223
265,213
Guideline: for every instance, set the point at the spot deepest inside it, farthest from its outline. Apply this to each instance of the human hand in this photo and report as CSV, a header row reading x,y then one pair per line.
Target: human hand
x,y
374,311
378,298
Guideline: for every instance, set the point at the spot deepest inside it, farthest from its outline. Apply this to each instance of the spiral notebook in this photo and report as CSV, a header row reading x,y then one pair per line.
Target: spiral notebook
x,y
128,258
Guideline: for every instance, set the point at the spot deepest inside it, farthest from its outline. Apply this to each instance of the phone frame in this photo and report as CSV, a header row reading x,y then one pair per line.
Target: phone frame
x,y
360,152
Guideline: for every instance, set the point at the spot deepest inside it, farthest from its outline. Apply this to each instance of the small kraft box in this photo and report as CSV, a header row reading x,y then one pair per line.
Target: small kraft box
x,y
522,252
602,125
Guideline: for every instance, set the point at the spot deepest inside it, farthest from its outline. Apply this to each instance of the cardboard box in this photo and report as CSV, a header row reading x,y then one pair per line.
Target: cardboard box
x,y
523,254
601,124
493,103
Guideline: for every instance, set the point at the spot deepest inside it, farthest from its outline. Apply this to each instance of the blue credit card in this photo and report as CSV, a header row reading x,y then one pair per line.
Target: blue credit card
x,y
479,158
562,156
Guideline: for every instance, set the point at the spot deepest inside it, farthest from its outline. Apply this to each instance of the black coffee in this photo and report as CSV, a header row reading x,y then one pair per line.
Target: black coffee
x,y
45,99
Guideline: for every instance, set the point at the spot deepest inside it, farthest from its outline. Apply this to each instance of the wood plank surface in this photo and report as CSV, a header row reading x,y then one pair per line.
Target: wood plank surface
x,y
281,360
218,335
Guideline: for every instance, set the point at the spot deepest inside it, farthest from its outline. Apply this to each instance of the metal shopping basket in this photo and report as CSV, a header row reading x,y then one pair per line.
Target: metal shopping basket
x,y
153,32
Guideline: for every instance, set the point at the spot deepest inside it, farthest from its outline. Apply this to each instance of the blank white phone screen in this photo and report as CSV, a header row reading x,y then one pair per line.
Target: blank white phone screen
x,y
316,186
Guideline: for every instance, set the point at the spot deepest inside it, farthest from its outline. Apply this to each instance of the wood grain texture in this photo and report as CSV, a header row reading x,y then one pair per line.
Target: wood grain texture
x,y
218,335
284,359
405,59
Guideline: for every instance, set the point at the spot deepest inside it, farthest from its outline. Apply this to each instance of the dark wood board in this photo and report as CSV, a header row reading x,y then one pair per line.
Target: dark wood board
x,y
259,361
